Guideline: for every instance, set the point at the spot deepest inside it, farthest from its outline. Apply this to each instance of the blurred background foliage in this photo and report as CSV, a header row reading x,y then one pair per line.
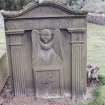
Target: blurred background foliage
x,y
13,4
19,4
88,5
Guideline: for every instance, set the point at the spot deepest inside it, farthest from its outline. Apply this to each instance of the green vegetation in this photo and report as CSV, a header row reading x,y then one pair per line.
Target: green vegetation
x,y
100,96
96,55
19,4
13,4
2,40
2,36
102,79
97,6
99,93
96,46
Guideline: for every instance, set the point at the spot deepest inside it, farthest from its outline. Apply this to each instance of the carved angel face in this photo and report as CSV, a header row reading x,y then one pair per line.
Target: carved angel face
x,y
46,36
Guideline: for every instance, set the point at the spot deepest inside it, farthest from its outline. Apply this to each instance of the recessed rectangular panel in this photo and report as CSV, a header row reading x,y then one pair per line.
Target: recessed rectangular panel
x,y
16,40
48,83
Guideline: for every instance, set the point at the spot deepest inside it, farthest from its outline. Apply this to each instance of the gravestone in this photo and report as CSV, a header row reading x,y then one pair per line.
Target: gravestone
x,y
47,51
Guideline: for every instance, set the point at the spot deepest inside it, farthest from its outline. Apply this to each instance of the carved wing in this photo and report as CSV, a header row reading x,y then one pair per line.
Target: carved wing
x,y
35,44
58,42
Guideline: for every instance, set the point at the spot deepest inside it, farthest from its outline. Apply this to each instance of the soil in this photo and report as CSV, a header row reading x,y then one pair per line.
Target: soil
x,y
7,98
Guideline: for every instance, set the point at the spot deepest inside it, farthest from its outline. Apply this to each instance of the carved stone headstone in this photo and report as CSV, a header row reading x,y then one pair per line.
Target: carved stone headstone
x,y
47,51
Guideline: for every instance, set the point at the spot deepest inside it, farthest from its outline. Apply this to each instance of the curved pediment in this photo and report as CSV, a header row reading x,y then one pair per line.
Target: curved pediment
x,y
45,9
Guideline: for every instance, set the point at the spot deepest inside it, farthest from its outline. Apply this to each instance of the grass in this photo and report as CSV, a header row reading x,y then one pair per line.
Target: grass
x,y
2,36
96,46
2,39
96,55
100,96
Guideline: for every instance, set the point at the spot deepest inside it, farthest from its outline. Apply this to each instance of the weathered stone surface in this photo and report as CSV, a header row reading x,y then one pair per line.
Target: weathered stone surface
x,y
47,51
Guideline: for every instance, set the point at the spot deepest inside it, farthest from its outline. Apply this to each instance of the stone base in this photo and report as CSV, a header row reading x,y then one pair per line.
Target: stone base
x,y
33,101
23,100
7,98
